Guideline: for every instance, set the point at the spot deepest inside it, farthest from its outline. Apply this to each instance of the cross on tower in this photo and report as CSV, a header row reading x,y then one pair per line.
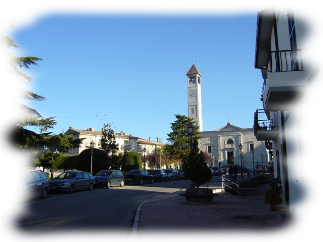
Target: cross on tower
x,y
193,60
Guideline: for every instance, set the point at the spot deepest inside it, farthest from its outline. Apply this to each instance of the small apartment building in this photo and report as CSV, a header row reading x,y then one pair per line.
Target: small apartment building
x,y
223,145
125,142
278,55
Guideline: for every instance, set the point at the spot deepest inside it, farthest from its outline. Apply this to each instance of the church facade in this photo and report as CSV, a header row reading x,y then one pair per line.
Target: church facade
x,y
224,144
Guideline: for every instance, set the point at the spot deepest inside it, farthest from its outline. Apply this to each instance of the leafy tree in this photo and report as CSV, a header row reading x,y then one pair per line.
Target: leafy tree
x,y
110,147
99,161
20,135
131,161
195,167
179,137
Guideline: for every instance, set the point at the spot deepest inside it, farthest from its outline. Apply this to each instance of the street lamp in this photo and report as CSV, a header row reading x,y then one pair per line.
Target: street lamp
x,y
92,146
166,153
240,147
253,161
144,158
56,152
190,130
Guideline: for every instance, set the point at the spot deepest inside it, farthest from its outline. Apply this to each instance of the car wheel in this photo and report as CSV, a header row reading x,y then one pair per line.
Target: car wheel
x,y
22,197
44,193
122,183
108,184
91,186
71,189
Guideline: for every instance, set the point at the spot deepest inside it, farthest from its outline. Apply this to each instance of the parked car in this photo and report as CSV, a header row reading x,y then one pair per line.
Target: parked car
x,y
181,174
138,177
212,171
107,178
19,186
71,181
172,174
158,175
217,171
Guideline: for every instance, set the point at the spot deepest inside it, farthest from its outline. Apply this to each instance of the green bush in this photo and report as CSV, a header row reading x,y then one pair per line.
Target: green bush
x,y
99,161
195,167
131,161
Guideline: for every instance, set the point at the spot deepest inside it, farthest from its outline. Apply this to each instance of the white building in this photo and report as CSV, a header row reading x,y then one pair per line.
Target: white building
x,y
285,78
125,142
194,96
224,147
223,144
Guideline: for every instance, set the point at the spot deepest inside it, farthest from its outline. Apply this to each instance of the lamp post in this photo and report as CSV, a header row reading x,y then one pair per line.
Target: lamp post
x,y
52,175
253,162
190,130
166,153
262,163
92,146
240,147
144,150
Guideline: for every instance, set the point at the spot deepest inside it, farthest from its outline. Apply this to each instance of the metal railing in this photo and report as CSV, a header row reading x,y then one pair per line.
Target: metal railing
x,y
284,60
261,122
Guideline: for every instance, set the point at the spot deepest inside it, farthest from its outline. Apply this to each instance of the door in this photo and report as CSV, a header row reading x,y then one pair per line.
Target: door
x,y
230,158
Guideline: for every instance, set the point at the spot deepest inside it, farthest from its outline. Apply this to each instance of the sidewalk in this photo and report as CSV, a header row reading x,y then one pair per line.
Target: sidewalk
x,y
171,212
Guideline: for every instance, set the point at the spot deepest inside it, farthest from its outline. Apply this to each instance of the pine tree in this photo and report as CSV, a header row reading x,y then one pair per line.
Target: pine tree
x,y
179,137
21,136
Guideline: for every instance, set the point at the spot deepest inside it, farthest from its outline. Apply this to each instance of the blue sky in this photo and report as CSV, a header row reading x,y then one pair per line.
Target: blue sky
x,y
130,70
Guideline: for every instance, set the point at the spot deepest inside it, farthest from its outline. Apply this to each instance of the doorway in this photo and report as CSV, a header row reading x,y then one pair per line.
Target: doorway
x,y
230,157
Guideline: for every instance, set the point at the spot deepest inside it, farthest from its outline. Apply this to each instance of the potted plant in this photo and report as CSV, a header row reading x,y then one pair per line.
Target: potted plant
x,y
273,194
196,170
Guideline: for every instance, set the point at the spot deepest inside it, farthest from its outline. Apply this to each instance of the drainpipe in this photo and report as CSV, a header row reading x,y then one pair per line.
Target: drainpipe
x,y
276,44
285,165
284,160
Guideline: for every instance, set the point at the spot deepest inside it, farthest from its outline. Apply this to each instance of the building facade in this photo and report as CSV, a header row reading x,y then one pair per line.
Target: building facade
x,y
278,55
223,145
125,142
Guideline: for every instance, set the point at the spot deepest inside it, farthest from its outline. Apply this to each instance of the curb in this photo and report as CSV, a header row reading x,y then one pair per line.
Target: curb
x,y
136,221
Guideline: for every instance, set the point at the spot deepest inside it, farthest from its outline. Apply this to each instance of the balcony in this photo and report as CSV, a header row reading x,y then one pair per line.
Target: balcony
x,y
264,128
285,80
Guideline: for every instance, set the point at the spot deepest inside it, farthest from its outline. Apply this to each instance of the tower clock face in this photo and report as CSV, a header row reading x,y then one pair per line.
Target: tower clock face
x,y
192,94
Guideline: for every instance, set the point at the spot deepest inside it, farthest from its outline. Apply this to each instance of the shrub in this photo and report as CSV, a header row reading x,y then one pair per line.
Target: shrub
x,y
131,161
195,167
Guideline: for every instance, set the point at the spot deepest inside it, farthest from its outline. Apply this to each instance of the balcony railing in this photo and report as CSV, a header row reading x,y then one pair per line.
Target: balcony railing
x,y
284,60
264,128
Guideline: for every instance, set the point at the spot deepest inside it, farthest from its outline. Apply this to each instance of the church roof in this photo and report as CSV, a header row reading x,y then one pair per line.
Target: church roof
x,y
193,71
229,127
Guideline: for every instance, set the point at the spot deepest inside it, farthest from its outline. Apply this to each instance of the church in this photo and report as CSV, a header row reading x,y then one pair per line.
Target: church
x,y
229,145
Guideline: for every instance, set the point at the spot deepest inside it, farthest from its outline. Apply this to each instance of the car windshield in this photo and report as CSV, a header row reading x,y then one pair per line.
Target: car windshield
x,y
134,172
154,172
66,175
14,178
104,173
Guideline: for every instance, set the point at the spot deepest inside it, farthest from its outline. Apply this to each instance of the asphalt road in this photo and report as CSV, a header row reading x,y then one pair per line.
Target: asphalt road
x,y
101,209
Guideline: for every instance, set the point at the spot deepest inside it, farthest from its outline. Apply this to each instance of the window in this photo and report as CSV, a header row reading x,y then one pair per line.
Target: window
x,y
251,147
79,176
230,142
37,177
209,149
292,35
86,175
302,148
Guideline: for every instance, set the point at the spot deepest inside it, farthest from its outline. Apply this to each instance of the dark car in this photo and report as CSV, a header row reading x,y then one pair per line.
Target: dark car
x,y
172,174
138,177
19,186
70,181
158,175
107,178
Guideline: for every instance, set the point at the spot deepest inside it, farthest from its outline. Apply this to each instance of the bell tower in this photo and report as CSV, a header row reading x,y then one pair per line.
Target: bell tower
x,y
194,96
